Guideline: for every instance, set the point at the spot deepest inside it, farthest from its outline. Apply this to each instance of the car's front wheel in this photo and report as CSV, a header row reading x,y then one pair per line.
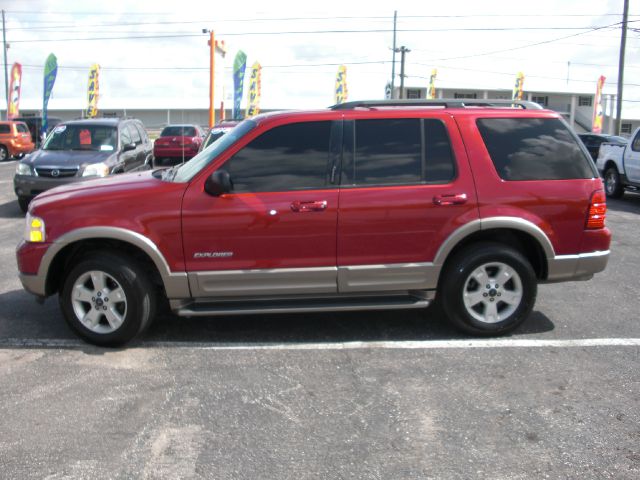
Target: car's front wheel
x,y
612,184
488,289
107,299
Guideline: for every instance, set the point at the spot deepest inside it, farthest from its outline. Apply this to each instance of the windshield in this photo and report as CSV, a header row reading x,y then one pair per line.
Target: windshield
x,y
215,134
188,170
82,137
179,131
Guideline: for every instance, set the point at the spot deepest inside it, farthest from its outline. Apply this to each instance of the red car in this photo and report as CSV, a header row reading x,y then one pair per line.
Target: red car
x,y
177,144
364,206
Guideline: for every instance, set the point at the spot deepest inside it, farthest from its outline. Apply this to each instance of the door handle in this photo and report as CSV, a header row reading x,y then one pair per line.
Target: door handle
x,y
452,199
313,206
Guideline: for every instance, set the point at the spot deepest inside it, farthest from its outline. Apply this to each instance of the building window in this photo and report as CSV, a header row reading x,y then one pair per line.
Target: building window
x,y
625,128
585,101
465,95
544,101
413,93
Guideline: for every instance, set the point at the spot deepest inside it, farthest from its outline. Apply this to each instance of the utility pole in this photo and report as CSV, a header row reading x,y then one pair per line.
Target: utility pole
x,y
6,76
623,45
393,62
403,50
212,50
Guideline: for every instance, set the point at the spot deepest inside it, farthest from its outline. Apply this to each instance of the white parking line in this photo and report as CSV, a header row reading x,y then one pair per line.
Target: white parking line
x,y
373,345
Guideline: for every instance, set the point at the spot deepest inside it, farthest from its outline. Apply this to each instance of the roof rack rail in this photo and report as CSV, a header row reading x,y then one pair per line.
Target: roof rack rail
x,y
445,102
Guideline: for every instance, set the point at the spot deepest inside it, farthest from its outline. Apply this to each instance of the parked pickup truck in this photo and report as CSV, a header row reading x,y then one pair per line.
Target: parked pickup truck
x,y
619,165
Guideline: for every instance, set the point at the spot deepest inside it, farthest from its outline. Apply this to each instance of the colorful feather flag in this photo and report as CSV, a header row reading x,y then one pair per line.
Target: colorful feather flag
x,y
239,67
253,108
598,112
93,91
340,92
14,91
50,72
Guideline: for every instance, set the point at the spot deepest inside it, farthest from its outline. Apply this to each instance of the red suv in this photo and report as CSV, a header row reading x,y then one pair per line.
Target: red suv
x,y
364,206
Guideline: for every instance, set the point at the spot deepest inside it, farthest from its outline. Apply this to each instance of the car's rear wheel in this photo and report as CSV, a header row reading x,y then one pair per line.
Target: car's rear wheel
x,y
107,299
612,184
4,153
488,289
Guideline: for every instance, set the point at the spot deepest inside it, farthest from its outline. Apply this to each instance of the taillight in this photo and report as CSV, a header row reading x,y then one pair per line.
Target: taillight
x,y
597,211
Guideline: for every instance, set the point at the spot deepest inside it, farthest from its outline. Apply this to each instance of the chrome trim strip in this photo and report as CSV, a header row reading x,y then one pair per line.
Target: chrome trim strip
x,y
399,276
275,281
176,283
583,266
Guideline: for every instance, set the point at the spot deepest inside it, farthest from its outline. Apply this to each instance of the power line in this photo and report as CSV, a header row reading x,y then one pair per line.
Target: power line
x,y
525,46
314,32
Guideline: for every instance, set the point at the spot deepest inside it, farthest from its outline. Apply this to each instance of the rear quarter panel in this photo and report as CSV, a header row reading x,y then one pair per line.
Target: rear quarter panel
x,y
558,207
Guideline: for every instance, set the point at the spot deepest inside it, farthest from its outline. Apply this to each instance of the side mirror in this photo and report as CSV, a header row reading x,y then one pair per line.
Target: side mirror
x,y
218,183
128,147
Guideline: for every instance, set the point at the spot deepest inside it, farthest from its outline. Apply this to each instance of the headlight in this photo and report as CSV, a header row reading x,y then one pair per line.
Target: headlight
x,y
34,229
96,170
23,169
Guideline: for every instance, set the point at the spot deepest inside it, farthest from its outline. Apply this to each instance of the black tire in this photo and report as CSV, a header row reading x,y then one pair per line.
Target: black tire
x,y
456,286
119,271
23,202
612,184
4,153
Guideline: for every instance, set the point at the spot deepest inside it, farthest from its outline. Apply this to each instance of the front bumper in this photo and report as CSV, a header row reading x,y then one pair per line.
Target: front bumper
x,y
30,185
29,257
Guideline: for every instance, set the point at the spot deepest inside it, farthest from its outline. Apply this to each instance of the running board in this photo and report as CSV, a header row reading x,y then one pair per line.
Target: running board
x,y
334,304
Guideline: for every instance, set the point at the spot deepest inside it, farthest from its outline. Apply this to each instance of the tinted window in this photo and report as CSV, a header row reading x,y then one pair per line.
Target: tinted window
x,y
4,129
22,128
400,152
290,157
533,149
439,163
179,131
388,152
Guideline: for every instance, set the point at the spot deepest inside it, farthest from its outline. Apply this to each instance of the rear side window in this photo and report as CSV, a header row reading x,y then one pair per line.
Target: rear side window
x,y
5,128
289,157
406,151
534,149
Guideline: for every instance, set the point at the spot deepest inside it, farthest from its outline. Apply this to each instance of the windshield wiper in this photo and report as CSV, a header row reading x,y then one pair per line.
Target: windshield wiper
x,y
169,174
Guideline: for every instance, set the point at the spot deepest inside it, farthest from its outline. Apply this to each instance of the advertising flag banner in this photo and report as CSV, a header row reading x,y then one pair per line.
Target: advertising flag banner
x,y
239,67
253,108
50,72
431,93
14,91
518,87
341,93
93,91
598,112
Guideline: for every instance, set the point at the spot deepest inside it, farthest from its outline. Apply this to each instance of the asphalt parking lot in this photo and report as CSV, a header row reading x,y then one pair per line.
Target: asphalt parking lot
x,y
389,395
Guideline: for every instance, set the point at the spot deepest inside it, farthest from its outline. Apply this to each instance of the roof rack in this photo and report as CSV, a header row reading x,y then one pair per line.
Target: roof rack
x,y
445,102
